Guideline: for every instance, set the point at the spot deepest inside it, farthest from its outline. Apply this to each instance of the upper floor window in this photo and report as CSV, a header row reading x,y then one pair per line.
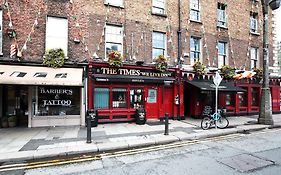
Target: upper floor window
x,y
221,15
254,57
222,54
195,49
113,39
1,33
158,6
57,33
253,22
158,44
195,10
118,3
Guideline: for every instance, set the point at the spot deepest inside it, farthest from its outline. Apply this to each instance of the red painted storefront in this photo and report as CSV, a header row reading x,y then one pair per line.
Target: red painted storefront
x,y
116,92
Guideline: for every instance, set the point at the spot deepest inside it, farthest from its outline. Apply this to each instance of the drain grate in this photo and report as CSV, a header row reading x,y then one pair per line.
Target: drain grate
x,y
246,162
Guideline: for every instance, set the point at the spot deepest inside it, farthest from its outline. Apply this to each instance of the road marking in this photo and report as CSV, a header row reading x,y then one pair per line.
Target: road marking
x,y
78,159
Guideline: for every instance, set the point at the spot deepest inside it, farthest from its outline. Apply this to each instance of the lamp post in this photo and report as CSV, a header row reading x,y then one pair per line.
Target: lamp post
x,y
265,116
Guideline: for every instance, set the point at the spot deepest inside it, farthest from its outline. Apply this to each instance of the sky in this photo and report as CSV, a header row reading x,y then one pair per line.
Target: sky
x,y
278,24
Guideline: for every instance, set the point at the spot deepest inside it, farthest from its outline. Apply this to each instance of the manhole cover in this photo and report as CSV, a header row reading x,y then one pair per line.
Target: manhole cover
x,y
245,162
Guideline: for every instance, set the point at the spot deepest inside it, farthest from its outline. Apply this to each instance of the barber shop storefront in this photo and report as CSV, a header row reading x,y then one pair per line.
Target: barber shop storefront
x,y
116,93
36,96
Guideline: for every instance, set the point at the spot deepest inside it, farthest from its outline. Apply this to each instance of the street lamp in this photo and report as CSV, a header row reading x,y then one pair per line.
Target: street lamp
x,y
265,116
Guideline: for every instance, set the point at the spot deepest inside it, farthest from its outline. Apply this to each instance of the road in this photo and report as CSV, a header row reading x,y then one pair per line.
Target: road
x,y
256,153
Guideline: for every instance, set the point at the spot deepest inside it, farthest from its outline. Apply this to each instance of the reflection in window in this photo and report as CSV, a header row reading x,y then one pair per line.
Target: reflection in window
x,y
158,44
229,99
113,39
195,10
40,74
119,98
158,6
194,49
61,75
136,98
18,74
101,98
242,99
255,97
221,15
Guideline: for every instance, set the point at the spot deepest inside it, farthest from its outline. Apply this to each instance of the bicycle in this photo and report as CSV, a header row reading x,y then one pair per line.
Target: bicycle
x,y
217,119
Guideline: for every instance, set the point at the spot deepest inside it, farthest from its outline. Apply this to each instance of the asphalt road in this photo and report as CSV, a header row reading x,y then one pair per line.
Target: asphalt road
x,y
256,153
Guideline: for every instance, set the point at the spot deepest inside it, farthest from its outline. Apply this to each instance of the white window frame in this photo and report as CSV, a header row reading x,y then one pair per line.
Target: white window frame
x,y
1,32
254,57
155,46
113,37
157,8
117,3
222,56
195,50
195,7
221,15
57,35
253,22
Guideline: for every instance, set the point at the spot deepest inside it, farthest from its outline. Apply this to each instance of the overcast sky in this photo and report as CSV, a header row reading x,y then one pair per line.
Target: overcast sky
x,y
278,24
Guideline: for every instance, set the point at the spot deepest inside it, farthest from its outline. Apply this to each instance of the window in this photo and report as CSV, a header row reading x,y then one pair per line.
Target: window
x,y
119,98
253,22
113,39
136,98
254,57
18,74
194,49
158,44
255,97
242,99
195,10
222,57
158,6
61,75
229,99
1,29
221,15
57,33
40,74
152,96
114,2
101,98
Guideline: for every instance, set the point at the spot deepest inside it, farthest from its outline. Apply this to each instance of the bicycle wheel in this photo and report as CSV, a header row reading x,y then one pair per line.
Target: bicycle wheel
x,y
222,122
206,123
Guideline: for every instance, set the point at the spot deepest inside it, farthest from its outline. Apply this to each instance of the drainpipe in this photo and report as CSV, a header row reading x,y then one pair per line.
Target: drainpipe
x,y
179,58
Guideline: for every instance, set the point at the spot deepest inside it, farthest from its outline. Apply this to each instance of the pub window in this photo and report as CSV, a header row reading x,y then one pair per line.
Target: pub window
x,y
229,99
1,33
56,101
158,6
118,3
254,57
222,54
242,99
221,15
158,44
255,97
101,98
119,98
195,49
57,33
253,22
113,39
18,74
195,10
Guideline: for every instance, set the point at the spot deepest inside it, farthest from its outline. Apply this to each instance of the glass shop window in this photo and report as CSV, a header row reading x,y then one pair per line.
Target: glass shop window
x,y
229,99
119,98
255,97
101,98
136,98
56,101
242,99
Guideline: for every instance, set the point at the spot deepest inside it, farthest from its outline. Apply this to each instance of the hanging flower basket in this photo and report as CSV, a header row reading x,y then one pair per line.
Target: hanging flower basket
x,y
161,63
115,59
227,71
54,58
258,75
199,68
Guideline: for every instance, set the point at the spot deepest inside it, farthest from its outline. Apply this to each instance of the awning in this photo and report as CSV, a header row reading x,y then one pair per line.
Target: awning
x,y
133,79
35,75
205,85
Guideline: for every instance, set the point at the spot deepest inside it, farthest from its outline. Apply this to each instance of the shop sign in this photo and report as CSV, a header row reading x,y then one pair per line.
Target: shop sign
x,y
130,72
55,96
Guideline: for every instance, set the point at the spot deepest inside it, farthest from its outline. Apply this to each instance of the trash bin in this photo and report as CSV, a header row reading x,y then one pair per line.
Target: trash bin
x,y
140,116
94,117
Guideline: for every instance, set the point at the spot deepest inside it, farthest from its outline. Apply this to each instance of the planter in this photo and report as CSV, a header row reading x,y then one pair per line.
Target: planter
x,y
12,121
4,122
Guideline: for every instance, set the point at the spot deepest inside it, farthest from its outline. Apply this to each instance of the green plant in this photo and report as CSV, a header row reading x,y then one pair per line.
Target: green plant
x,y
115,59
161,63
12,118
199,68
227,71
54,58
258,75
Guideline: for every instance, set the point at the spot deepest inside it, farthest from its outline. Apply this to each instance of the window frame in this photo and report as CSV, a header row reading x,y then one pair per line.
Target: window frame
x,y
254,60
114,3
195,51
221,10
254,23
196,10
113,35
1,32
224,55
157,8
55,35
164,48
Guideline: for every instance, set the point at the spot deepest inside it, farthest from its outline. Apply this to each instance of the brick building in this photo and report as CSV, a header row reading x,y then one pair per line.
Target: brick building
x,y
215,33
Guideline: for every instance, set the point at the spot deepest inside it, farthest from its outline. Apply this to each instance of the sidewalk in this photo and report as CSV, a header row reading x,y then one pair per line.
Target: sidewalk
x,y
33,143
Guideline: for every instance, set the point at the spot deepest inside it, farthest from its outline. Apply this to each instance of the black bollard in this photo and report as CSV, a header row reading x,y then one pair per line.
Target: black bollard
x,y
166,124
89,139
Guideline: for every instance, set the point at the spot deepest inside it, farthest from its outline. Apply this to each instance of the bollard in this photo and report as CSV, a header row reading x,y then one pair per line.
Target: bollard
x,y
166,124
89,139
